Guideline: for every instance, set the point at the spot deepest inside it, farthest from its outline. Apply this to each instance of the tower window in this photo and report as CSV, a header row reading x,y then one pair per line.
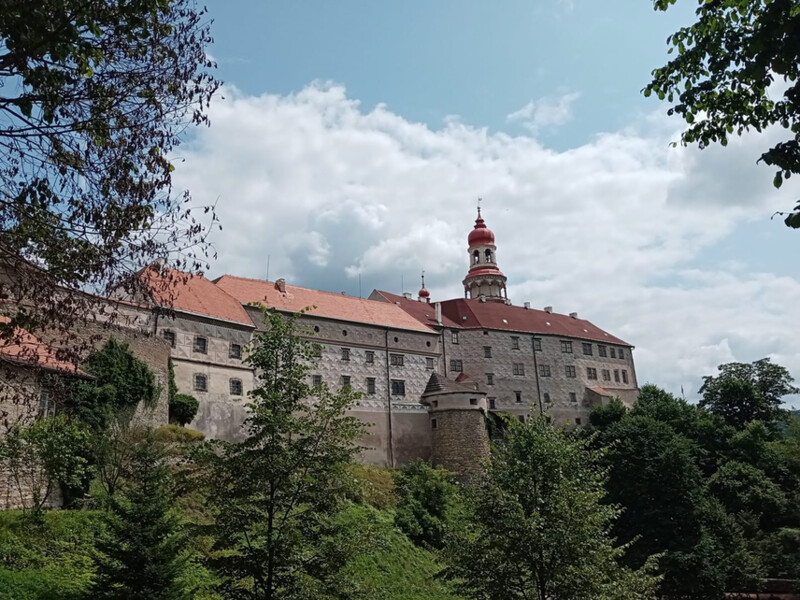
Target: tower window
x,y
434,424
488,255
491,403
476,257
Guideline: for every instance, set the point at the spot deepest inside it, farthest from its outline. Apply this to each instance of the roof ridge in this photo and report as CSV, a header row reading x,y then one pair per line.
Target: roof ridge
x,y
301,287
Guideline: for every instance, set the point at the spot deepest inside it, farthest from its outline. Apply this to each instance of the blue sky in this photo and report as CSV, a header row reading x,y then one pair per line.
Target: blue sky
x,y
351,140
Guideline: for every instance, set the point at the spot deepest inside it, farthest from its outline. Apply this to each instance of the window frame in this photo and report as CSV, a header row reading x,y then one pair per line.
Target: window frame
x,y
587,348
235,355
398,387
518,369
169,336
231,382
515,342
591,373
345,353
454,337
369,357
602,350
487,352
371,386
397,360
456,365
198,377
570,371
566,346
545,371
196,345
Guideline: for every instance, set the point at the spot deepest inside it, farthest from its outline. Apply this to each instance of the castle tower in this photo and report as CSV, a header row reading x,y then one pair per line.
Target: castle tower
x,y
424,295
484,280
457,412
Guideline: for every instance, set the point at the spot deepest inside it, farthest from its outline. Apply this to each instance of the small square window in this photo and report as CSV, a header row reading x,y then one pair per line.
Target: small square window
x,y
473,402
398,387
236,387
370,355
616,375
429,363
169,336
454,337
490,379
620,353
546,398
345,353
235,351
570,371
317,380
200,382
612,353
573,397
601,350
485,332
491,403
487,352
345,380
518,397
370,385
587,348
515,342
518,369
624,376
591,373
456,366
537,344
200,345
397,360
544,370
566,346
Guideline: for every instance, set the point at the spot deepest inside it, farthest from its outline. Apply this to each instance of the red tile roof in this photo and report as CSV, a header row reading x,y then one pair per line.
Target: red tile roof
x,y
26,349
193,294
473,314
422,311
323,304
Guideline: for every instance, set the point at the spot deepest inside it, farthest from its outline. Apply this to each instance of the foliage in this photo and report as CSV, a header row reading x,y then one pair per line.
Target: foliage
x,y
143,552
373,485
736,70
96,95
537,528
741,487
742,393
428,502
182,409
275,495
607,414
177,435
172,387
42,455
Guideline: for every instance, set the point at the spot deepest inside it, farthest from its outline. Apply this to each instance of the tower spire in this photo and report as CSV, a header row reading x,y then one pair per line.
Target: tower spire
x,y
484,279
424,295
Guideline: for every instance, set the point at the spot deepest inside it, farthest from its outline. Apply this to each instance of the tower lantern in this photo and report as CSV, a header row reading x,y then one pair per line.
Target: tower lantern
x,y
484,280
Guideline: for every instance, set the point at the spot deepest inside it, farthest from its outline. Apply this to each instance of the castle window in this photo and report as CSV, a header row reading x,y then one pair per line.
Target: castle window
x,y
317,380
601,350
476,257
537,344
488,255
587,348
434,424
606,375
345,353
624,376
47,406
236,387
344,332
515,342
573,397
370,385
544,370
620,354
398,387
396,339
235,351
518,369
522,418
487,352
429,363
200,382
546,398
566,346
200,345
591,373
612,352
169,336
491,403
518,397
570,371
577,421
454,337
473,402
397,360
616,375
456,366
345,380
490,379
370,357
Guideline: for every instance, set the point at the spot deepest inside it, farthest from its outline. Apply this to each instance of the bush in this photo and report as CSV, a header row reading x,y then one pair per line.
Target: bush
x,y
182,409
375,486
177,434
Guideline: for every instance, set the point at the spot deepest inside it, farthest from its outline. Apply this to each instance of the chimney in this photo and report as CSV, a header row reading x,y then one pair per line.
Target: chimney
x,y
573,315
548,309
527,305
280,285
407,295
438,307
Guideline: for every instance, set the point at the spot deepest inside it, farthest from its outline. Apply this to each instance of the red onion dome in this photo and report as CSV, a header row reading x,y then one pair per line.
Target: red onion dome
x,y
480,235
423,293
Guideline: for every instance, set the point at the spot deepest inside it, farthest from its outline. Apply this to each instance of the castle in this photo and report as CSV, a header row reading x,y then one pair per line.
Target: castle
x,y
429,371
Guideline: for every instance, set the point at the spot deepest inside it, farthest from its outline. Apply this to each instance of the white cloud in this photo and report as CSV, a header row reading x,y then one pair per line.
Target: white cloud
x,y
332,192
545,112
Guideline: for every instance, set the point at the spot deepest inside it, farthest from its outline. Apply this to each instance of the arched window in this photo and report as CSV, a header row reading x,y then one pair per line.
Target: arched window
x,y
488,255
476,257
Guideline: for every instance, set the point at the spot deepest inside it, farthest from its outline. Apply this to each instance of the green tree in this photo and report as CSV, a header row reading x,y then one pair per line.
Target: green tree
x,y
607,414
721,77
95,98
740,488
143,553
744,392
536,526
275,495
183,408
428,503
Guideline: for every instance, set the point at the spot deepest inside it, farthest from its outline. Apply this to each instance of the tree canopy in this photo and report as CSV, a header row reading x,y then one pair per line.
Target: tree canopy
x,y
735,70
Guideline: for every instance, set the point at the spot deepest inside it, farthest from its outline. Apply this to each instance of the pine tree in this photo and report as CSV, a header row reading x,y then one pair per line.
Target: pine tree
x,y
143,552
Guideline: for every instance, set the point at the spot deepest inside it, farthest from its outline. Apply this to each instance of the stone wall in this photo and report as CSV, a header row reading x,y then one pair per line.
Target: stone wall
x,y
460,442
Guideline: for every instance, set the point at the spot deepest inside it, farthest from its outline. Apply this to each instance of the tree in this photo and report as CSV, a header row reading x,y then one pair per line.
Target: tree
x,y
742,392
183,408
536,526
143,552
95,98
276,494
730,67
608,414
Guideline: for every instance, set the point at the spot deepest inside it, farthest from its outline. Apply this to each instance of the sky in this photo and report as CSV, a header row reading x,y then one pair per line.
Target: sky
x,y
351,140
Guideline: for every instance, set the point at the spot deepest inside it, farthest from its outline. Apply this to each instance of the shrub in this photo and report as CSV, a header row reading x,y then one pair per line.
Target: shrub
x,y
182,409
177,434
